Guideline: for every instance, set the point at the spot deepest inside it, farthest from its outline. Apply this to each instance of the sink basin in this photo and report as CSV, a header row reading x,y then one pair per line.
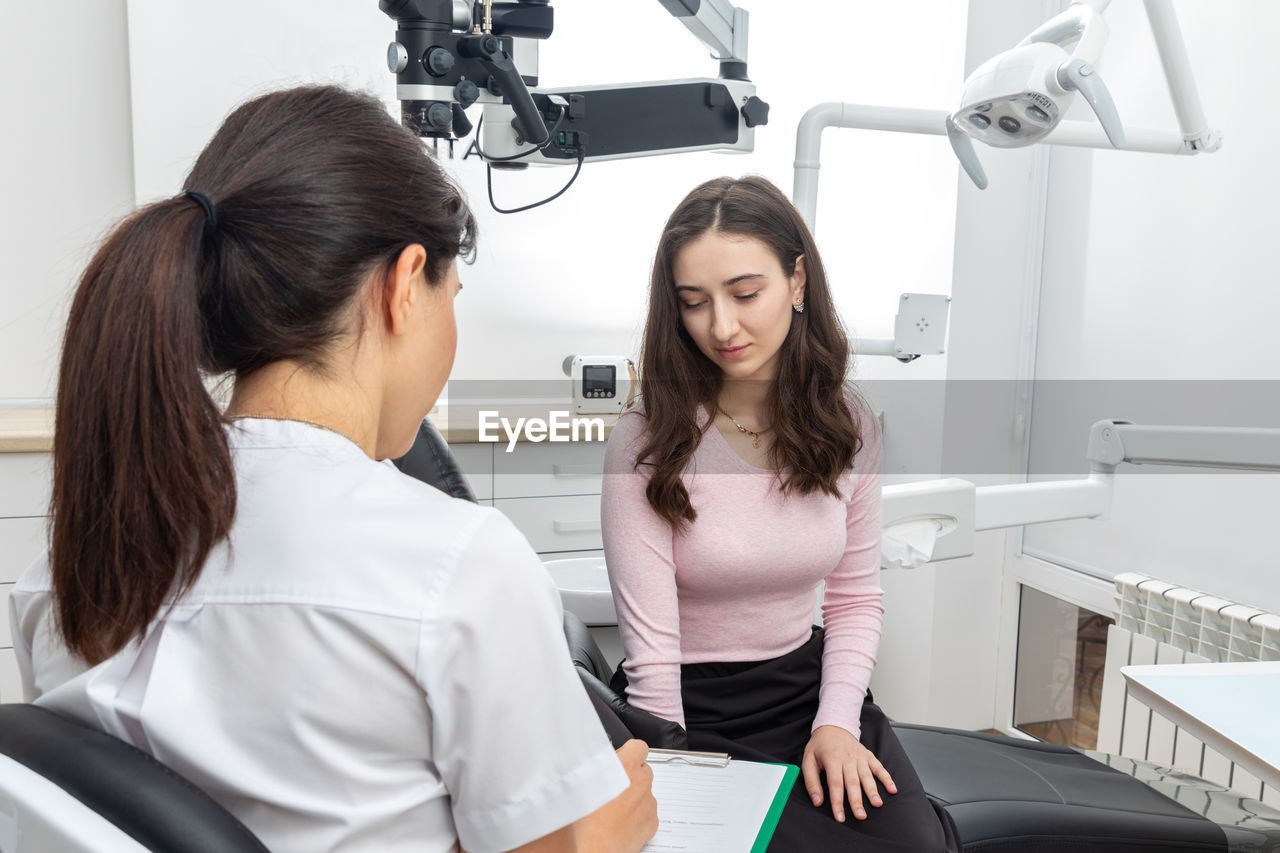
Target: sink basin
x,y
584,589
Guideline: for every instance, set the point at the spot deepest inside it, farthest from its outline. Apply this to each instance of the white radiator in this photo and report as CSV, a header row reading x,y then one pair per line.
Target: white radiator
x,y
1161,623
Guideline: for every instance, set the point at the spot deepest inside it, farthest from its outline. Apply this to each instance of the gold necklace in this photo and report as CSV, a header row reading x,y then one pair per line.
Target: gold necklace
x,y
296,421
755,434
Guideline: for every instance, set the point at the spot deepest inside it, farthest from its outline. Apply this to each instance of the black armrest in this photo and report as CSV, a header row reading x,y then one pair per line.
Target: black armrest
x,y
594,671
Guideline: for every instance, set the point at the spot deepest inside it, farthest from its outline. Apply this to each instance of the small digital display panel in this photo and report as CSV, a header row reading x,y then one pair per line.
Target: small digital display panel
x,y
599,380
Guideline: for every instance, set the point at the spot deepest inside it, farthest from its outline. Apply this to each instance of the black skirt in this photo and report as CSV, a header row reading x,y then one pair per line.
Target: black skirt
x,y
763,711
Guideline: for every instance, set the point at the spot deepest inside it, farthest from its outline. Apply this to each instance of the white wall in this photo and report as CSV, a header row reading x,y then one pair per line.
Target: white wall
x,y
66,169
1077,269
1160,295
952,645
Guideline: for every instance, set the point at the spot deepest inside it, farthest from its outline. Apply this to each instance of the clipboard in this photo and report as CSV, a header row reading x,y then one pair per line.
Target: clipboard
x,y
775,808
700,809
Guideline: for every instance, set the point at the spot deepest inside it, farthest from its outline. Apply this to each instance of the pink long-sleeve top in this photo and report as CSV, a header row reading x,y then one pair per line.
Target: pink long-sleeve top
x,y
738,584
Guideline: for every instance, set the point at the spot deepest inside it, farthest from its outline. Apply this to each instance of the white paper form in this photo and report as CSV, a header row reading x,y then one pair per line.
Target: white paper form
x,y
712,809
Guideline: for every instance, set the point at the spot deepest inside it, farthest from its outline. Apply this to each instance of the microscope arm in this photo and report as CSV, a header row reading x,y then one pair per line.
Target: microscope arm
x,y
717,23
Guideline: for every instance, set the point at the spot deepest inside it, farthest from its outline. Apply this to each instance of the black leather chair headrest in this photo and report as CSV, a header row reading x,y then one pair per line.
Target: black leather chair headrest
x,y
146,800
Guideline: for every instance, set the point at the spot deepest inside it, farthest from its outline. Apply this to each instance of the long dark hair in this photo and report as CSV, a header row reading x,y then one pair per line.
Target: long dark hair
x,y
312,191
816,435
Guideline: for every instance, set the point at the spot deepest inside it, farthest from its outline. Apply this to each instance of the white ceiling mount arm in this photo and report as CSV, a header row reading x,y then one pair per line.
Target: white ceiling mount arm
x,y
717,23
1099,6
1111,442
1182,82
1080,23
1231,448
920,328
858,116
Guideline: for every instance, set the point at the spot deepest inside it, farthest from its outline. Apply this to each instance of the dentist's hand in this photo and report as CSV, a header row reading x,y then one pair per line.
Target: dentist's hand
x,y
627,822
851,768
622,825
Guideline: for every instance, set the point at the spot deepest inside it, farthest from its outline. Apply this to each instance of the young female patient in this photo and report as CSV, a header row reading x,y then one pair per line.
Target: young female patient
x,y
749,474
344,657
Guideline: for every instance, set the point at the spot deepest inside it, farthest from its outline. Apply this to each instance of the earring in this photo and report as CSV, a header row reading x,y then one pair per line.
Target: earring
x,y
798,307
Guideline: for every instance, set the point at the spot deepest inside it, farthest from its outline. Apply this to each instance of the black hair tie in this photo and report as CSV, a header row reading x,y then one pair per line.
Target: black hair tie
x,y
210,218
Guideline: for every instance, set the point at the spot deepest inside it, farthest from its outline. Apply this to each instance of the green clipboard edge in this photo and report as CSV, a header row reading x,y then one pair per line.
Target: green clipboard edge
x,y
775,808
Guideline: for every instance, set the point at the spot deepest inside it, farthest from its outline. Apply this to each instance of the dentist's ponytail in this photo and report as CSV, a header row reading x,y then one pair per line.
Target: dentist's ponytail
x,y
143,483
301,199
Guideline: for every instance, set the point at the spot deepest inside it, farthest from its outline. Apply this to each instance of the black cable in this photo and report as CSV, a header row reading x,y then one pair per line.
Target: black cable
x,y
551,135
489,181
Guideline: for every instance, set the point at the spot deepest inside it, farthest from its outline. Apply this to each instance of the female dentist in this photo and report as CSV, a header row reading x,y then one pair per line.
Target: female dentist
x,y
344,657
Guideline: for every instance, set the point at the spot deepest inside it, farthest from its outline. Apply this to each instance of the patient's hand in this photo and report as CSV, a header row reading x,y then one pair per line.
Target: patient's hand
x,y
851,768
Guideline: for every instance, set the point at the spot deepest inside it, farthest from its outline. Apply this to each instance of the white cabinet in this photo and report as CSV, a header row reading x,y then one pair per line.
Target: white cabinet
x,y
5,637
556,523
10,681
537,470
21,541
25,482
551,492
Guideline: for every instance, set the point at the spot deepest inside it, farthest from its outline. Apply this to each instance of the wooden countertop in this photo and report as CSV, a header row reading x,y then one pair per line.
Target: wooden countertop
x,y
26,429
29,429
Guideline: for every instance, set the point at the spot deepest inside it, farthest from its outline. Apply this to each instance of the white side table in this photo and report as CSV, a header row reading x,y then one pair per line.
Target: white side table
x,y
1232,707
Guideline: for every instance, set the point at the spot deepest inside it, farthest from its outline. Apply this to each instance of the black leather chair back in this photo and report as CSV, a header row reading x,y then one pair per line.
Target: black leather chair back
x,y
144,799
430,461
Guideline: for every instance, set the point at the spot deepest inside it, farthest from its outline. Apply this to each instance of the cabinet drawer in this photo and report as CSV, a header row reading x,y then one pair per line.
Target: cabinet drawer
x,y
476,463
10,680
21,541
568,523
564,468
6,638
26,480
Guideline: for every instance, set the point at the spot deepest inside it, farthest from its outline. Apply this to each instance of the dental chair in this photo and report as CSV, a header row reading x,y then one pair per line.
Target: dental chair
x,y
1012,795
1004,794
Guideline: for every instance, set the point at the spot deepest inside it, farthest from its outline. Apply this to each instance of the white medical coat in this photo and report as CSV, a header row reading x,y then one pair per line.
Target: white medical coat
x,y
366,664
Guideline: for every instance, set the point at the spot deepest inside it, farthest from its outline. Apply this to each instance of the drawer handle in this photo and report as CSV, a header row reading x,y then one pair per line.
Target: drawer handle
x,y
576,526
577,470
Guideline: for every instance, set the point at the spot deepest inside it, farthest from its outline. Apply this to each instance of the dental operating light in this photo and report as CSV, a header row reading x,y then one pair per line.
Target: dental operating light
x,y
1018,97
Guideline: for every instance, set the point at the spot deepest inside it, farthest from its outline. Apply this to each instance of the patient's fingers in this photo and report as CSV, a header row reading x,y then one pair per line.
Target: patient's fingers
x,y
882,773
868,782
835,782
812,780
